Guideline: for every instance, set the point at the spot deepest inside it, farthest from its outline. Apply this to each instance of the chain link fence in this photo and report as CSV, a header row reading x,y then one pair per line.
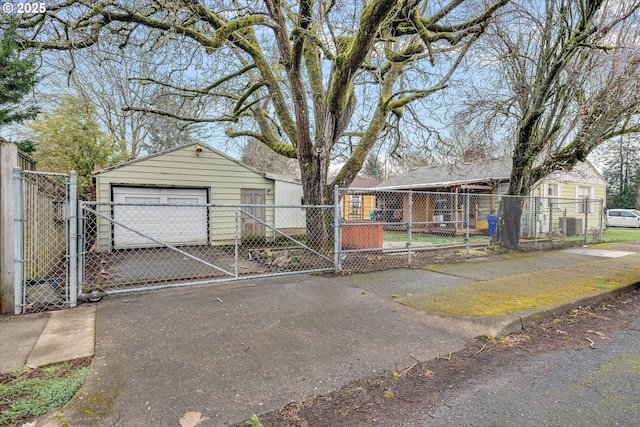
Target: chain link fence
x,y
138,246
66,252
42,263
391,229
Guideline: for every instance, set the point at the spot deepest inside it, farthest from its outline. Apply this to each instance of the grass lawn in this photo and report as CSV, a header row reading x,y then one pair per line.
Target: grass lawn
x,y
619,234
401,236
611,235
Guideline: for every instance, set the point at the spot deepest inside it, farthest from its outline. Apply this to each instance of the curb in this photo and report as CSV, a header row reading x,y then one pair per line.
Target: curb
x,y
521,321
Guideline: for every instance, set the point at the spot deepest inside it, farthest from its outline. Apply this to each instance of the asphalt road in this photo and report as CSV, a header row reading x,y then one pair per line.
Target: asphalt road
x,y
560,388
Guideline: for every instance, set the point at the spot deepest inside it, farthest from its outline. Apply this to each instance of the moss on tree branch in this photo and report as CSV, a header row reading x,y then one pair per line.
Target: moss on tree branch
x,y
279,147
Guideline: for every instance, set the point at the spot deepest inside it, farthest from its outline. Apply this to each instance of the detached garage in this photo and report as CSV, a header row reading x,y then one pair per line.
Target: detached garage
x,y
190,176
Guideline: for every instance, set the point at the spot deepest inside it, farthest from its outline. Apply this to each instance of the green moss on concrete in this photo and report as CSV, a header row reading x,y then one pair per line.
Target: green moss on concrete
x,y
515,293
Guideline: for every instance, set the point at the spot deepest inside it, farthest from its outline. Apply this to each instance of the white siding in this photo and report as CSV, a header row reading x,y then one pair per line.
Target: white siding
x,y
289,194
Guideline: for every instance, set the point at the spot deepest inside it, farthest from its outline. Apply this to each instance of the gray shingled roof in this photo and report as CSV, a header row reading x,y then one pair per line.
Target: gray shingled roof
x,y
452,174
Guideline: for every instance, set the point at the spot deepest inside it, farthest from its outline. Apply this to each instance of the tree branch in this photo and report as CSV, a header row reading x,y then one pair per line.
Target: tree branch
x,y
286,150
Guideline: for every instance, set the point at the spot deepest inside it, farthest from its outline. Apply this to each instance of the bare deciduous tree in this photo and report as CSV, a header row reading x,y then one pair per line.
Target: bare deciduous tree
x,y
569,79
108,78
261,157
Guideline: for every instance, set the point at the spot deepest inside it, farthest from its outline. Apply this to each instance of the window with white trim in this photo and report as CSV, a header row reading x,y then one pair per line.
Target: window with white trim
x,y
552,196
583,193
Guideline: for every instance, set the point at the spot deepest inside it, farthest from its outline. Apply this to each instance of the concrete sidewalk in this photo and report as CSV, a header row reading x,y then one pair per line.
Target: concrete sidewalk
x,y
214,355
41,339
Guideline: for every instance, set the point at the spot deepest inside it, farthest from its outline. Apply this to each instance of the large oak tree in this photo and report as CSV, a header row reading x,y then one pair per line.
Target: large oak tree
x,y
290,74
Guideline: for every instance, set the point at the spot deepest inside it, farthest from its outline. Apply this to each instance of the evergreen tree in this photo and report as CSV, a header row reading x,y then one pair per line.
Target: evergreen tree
x,y
17,79
373,168
622,172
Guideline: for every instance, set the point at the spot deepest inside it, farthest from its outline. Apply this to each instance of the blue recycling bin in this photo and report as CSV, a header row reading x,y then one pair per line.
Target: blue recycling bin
x,y
493,224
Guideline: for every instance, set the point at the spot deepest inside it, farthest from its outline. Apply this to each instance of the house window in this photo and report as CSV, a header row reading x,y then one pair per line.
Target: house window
x,y
552,196
583,193
355,201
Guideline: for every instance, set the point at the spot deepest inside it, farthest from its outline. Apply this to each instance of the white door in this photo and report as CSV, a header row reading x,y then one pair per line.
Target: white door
x,y
142,216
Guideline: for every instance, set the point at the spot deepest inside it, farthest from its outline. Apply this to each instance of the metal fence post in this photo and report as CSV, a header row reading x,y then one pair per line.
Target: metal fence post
x,y
73,239
535,223
236,243
337,243
18,241
466,239
601,210
586,220
409,228
81,244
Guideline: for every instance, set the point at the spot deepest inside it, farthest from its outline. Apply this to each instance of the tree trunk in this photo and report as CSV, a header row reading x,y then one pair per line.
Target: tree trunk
x,y
507,235
314,169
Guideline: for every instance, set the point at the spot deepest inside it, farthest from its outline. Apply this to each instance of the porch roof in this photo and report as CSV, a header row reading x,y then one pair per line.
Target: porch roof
x,y
450,175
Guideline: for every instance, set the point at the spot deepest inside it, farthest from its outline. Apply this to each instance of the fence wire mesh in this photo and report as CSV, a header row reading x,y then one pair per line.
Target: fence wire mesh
x,y
390,229
44,234
140,246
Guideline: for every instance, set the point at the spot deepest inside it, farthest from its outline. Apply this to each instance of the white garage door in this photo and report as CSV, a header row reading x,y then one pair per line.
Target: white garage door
x,y
175,225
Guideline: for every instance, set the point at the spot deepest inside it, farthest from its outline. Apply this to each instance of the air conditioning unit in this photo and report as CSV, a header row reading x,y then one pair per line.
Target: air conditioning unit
x,y
571,226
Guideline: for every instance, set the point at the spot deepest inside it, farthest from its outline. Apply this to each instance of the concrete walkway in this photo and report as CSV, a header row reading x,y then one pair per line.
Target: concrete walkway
x,y
41,339
214,355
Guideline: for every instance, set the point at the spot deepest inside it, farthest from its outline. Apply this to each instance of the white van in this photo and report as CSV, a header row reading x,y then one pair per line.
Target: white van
x,y
623,218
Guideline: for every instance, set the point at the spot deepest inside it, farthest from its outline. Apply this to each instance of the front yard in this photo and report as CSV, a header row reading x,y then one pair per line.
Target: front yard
x,y
619,234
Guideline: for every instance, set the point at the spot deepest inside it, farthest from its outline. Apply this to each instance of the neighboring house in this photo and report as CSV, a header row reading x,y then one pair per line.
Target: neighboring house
x,y
190,174
359,206
483,180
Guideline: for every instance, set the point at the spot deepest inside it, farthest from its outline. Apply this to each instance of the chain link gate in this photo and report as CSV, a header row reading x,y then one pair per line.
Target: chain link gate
x,y
128,247
45,235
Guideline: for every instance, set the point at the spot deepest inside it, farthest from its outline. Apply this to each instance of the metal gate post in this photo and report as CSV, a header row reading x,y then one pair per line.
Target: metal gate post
x,y
337,243
409,228
73,239
17,242
236,245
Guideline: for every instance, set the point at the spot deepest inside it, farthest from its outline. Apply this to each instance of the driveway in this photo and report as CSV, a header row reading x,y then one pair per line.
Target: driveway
x,y
218,354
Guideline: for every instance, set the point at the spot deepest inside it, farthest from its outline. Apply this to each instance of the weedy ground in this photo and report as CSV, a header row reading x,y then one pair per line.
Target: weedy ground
x,y
24,395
